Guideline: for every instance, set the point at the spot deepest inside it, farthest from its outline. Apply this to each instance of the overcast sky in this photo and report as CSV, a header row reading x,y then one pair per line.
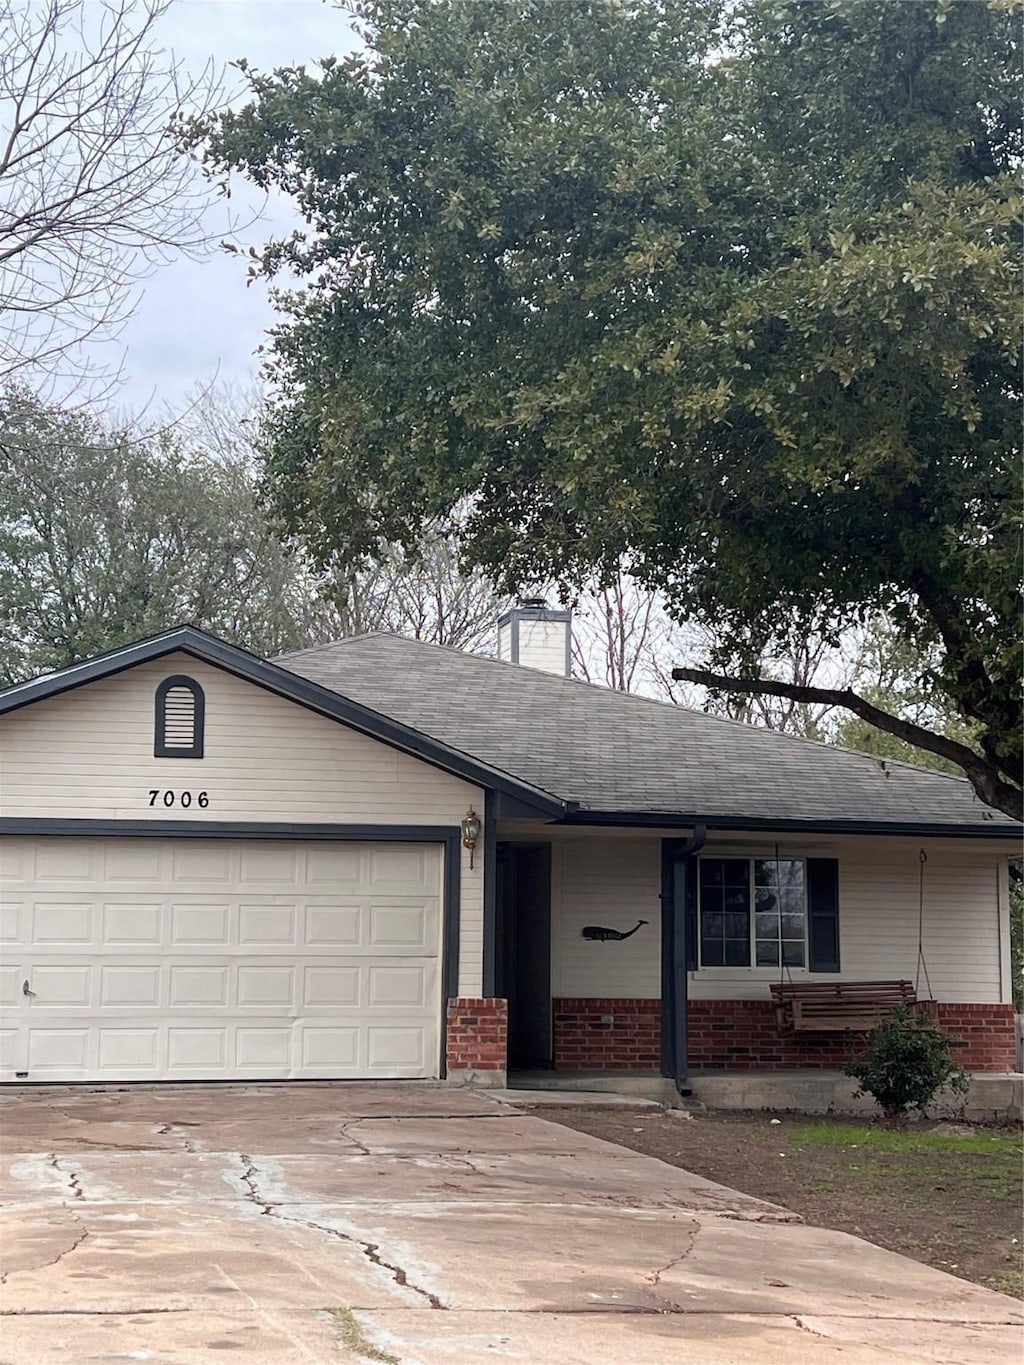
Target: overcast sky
x,y
197,319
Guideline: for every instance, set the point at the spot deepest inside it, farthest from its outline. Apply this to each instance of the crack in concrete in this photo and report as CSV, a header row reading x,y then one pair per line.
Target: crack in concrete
x,y
86,1312
416,1118
371,1250
174,1130
45,1265
343,1130
610,1310
804,1328
249,1181
655,1279
70,1176
739,1216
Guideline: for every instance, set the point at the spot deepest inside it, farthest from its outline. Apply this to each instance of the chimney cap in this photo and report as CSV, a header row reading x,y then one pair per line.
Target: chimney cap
x,y
537,603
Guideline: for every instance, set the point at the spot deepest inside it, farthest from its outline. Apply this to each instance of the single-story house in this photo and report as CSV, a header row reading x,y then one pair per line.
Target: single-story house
x,y
384,859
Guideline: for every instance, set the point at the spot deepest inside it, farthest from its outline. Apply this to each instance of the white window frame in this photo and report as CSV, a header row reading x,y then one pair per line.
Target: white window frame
x,y
751,968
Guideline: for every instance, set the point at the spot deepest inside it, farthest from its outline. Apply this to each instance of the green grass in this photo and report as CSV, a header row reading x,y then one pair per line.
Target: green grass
x,y
350,1330
909,1142
1010,1283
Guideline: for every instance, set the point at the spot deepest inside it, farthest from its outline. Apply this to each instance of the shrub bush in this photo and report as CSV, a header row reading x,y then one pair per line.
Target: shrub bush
x,y
907,1061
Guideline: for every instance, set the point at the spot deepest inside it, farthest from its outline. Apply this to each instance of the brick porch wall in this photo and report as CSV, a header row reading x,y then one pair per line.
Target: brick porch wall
x,y
585,1041
477,1034
742,1035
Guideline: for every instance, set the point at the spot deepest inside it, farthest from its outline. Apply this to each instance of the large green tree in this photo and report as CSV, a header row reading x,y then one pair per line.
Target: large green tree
x,y
730,290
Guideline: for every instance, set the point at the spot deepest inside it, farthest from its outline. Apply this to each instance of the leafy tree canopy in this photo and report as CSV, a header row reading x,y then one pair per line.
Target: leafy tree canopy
x,y
105,538
730,290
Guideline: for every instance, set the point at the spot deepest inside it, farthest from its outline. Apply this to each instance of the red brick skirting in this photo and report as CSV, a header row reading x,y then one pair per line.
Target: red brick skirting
x,y
607,1035
742,1035
477,1036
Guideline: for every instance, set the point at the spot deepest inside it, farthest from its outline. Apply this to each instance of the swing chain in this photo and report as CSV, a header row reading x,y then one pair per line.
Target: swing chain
x,y
922,963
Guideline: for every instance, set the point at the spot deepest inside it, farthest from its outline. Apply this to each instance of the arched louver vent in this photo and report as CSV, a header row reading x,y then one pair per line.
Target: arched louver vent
x,y
180,714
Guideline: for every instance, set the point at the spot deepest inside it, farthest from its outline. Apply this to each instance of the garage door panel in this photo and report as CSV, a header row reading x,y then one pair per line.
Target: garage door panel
x,y
199,924
261,865
402,867
266,985
61,987
196,1050
202,861
392,1047
396,927
390,986
53,1051
128,1050
9,1040
10,983
331,1050
263,1049
130,985
334,925
334,867
135,863
10,921
259,925
221,967
15,860
131,924
62,922
198,987
64,860
330,987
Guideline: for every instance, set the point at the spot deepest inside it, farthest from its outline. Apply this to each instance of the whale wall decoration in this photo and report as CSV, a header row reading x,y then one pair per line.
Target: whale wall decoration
x,y
602,935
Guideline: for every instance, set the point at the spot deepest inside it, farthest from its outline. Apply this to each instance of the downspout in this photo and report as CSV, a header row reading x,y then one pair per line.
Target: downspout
x,y
682,870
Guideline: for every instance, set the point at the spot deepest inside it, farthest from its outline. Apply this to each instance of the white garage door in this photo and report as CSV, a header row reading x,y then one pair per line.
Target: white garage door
x,y
194,959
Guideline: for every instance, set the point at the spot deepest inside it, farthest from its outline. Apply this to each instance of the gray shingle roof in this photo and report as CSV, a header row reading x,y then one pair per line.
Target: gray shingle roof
x,y
612,752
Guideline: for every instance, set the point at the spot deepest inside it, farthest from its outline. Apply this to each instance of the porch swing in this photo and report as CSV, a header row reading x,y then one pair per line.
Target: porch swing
x,y
849,1006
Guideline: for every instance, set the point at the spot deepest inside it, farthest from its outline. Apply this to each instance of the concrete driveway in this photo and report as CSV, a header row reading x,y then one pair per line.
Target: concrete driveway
x,y
331,1224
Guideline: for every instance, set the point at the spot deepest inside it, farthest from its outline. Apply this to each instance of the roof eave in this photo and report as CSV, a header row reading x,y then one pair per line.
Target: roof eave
x,y
984,829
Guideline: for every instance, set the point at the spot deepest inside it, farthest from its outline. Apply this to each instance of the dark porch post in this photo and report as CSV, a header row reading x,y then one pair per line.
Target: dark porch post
x,y
678,887
490,878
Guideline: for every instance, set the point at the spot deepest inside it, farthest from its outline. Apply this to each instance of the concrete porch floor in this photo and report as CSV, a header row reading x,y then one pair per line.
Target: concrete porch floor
x,y
994,1097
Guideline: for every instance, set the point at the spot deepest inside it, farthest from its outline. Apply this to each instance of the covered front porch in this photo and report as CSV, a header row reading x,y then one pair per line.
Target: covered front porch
x,y
652,952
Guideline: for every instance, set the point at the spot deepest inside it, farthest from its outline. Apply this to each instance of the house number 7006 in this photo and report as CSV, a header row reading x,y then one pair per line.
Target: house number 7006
x,y
185,799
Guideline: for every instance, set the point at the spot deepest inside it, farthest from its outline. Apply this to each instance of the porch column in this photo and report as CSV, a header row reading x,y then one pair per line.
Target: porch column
x,y
678,887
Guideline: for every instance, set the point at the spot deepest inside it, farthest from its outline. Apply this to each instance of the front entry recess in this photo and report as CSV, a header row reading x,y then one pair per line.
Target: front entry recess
x,y
524,960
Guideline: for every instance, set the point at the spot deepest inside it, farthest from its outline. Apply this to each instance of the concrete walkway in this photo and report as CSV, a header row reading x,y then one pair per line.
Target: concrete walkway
x,y
418,1224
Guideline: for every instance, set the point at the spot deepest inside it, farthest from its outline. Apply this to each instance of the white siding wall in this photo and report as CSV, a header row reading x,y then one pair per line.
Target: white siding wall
x,y
542,644
614,881
88,754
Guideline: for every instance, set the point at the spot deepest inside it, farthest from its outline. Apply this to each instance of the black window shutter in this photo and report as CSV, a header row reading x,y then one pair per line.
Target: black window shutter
x,y
823,914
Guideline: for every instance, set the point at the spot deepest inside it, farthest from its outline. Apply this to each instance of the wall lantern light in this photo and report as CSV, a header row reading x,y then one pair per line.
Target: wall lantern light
x,y
470,832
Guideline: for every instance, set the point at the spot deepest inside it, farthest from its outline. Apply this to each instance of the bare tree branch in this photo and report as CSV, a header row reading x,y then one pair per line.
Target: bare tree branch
x,y
94,191
983,776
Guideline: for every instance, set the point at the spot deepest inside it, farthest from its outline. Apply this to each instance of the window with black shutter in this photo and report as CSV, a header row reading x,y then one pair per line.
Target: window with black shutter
x,y
768,912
